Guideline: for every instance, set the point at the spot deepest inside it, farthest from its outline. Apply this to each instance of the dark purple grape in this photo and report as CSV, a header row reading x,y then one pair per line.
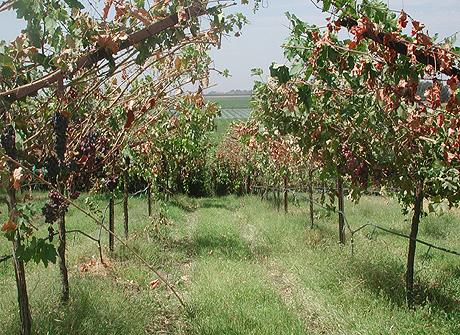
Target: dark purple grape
x,y
60,124
8,140
55,207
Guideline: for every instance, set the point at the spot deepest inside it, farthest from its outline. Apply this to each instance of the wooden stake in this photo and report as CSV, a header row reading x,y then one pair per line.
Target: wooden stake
x,y
310,197
341,209
126,197
418,206
111,223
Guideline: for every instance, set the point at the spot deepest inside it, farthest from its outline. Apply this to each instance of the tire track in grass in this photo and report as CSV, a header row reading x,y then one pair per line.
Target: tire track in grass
x,y
228,290
296,297
305,303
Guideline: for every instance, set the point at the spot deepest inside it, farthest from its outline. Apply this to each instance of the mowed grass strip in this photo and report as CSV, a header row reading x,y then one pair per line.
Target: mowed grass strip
x,y
229,291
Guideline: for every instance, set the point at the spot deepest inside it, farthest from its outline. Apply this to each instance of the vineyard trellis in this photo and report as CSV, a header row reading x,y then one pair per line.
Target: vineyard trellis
x,y
354,107
79,91
100,103
296,192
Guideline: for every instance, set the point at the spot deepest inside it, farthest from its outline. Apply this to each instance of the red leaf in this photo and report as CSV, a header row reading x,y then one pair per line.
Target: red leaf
x,y
423,39
433,95
129,119
152,102
440,120
449,157
352,44
108,4
83,160
453,83
416,27
9,226
411,48
154,283
402,20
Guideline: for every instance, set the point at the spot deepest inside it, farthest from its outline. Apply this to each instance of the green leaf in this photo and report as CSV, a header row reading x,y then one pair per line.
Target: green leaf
x,y
280,72
257,72
305,96
140,3
326,5
296,68
74,4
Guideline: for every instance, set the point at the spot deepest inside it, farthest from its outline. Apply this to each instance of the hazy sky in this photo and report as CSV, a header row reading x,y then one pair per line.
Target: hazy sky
x,y
260,43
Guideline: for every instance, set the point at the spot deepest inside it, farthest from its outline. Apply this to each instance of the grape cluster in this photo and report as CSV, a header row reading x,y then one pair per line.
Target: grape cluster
x,y
8,140
357,169
88,162
52,167
55,207
60,123
88,143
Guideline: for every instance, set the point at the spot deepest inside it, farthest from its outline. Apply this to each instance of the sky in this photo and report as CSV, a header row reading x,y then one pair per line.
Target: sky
x,y
261,40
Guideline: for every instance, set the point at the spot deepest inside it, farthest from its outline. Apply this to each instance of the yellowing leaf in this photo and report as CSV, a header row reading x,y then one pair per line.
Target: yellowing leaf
x,y
177,63
17,177
107,42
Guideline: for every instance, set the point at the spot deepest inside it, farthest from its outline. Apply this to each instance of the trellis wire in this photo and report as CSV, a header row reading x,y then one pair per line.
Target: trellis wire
x,y
376,227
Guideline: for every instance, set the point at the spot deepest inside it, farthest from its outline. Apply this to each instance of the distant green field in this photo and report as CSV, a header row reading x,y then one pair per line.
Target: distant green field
x,y
230,102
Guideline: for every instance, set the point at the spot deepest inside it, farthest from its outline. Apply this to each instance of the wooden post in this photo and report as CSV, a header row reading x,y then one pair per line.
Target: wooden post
x,y
111,223
126,196
285,194
8,140
310,197
21,285
323,192
341,209
149,199
60,124
278,197
418,206
62,259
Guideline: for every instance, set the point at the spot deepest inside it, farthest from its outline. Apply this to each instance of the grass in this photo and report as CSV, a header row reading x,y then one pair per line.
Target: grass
x,y
244,268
